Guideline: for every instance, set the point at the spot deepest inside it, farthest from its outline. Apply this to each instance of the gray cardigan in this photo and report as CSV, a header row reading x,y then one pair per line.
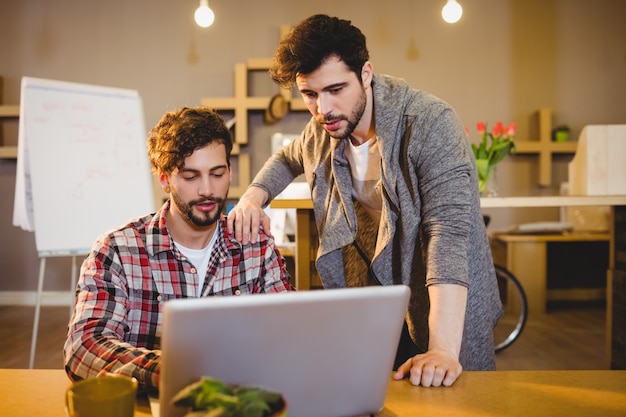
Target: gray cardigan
x,y
431,228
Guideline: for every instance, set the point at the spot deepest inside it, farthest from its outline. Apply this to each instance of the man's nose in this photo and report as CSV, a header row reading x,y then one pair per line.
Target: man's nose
x,y
323,104
205,188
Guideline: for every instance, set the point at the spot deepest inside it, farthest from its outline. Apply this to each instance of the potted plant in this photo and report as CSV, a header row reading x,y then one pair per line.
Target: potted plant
x,y
210,397
560,133
493,148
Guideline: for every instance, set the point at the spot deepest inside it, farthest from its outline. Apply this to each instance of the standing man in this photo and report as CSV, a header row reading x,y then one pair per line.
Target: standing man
x,y
183,250
395,196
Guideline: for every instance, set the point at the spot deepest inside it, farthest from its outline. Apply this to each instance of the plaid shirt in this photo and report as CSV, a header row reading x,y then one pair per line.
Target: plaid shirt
x,y
131,272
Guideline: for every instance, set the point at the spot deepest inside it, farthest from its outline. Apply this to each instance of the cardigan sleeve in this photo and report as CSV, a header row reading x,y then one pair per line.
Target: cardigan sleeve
x,y
448,191
280,169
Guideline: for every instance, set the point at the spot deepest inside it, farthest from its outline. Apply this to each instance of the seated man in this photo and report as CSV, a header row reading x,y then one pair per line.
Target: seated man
x,y
182,250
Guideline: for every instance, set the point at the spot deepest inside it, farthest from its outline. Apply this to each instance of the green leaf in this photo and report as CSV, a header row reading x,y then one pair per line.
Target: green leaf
x,y
475,150
500,152
212,398
187,396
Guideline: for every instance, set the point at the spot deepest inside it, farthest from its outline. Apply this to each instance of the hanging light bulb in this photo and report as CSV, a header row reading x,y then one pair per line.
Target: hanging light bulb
x,y
204,16
452,11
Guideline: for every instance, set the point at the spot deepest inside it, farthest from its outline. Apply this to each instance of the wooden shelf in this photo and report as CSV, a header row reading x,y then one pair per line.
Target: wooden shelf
x,y
8,152
539,147
545,147
241,104
8,111
297,104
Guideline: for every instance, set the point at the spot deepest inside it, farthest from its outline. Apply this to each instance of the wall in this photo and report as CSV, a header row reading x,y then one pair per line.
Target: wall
x,y
502,61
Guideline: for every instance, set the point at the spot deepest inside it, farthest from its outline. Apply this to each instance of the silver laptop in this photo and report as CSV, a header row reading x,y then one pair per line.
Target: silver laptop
x,y
329,352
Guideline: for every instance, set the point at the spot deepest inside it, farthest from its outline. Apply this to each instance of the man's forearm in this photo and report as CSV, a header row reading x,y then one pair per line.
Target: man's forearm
x,y
274,177
447,317
256,195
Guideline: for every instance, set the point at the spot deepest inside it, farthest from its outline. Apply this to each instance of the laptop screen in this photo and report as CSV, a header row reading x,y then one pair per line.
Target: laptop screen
x,y
329,352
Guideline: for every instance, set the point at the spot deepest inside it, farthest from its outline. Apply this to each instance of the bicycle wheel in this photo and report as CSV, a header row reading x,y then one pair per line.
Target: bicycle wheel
x,y
515,306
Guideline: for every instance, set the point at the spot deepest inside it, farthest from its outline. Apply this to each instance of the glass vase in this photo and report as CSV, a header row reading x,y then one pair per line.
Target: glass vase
x,y
491,187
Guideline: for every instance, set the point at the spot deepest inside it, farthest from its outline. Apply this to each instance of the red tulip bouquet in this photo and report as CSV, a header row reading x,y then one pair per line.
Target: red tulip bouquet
x,y
496,145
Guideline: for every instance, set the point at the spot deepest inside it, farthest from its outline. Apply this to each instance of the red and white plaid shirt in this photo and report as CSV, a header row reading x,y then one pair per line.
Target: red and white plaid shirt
x,y
131,272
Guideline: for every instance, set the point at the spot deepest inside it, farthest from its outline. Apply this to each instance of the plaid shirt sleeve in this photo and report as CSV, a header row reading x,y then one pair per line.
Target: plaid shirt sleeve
x,y
98,335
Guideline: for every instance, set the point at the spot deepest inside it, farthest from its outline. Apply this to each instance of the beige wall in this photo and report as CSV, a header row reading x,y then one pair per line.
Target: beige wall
x,y
502,61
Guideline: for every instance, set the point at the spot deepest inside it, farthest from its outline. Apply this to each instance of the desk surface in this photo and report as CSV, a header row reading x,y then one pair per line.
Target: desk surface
x,y
560,237
497,202
28,393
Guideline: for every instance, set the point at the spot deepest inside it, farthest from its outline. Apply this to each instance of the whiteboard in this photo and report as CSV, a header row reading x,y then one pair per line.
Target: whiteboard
x,y
82,164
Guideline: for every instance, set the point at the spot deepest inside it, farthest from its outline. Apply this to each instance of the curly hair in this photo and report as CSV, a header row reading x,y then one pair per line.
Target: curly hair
x,y
312,42
180,132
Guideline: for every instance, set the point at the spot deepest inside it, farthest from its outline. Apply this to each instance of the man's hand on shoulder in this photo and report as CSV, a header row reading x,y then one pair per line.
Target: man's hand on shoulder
x,y
245,219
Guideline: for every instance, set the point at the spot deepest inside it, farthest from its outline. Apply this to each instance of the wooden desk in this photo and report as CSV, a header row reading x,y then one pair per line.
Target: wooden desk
x,y
35,392
40,393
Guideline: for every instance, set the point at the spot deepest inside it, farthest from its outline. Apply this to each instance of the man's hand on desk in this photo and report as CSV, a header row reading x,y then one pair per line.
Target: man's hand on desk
x,y
433,368
248,215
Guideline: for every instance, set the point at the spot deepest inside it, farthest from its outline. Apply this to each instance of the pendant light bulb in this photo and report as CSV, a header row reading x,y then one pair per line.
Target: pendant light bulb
x,y
204,16
452,11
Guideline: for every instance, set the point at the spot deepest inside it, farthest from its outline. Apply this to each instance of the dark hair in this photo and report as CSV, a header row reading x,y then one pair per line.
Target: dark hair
x,y
180,132
314,40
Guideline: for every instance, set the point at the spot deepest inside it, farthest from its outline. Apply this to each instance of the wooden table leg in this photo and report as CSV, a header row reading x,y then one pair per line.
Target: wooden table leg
x,y
528,262
303,248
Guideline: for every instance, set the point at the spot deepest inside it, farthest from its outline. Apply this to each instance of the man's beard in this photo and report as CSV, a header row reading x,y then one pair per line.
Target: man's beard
x,y
352,121
205,218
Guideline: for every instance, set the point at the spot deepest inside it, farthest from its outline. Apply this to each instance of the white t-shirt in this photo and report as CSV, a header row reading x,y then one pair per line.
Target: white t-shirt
x,y
200,259
364,163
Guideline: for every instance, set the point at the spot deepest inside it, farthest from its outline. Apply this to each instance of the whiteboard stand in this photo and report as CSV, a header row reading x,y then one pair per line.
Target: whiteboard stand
x,y
42,273
97,135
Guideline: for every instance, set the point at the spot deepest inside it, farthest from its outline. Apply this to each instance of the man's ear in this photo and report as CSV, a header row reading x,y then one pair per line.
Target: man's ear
x,y
367,73
164,180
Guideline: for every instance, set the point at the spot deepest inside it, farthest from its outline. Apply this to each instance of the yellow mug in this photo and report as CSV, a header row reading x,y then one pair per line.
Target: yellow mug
x,y
104,396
